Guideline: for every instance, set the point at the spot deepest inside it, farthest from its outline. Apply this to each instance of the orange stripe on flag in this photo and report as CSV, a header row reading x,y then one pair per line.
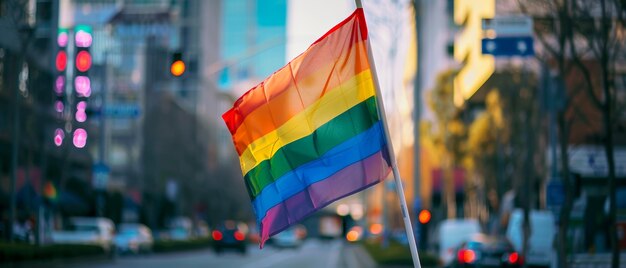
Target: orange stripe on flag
x,y
297,97
314,64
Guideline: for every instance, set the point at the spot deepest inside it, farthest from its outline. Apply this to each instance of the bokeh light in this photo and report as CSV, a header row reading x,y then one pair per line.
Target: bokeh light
x,y
81,106
83,61
424,216
83,39
356,211
376,228
61,60
59,84
59,135
81,116
343,210
80,138
177,68
82,84
59,106
352,236
49,191
62,39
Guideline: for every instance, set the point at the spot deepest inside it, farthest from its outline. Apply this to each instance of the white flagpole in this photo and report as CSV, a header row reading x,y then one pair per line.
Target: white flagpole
x,y
396,174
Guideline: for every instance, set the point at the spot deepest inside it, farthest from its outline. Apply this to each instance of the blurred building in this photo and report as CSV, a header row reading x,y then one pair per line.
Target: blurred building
x,y
587,157
134,43
30,157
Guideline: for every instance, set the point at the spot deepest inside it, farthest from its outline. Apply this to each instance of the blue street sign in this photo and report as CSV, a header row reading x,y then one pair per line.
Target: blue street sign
x,y
555,193
121,110
100,176
508,46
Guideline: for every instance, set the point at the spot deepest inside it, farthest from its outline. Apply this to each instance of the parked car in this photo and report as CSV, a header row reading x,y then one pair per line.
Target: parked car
x,y
134,238
181,229
486,251
540,243
89,231
202,230
451,234
229,235
290,238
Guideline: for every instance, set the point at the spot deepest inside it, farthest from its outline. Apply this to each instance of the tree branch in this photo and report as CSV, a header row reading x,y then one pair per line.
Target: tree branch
x,y
555,53
586,75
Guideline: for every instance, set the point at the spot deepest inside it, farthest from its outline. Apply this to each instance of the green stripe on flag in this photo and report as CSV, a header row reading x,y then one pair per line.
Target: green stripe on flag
x,y
341,128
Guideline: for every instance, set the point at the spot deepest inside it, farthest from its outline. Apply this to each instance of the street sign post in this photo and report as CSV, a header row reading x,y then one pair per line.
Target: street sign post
x,y
508,46
509,25
555,193
508,36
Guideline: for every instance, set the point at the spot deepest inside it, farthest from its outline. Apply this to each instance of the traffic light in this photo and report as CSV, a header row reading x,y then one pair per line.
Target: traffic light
x,y
60,64
82,57
177,65
477,68
424,218
82,82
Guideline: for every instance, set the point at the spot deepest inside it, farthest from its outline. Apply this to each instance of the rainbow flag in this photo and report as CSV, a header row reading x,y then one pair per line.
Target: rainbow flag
x,y
311,133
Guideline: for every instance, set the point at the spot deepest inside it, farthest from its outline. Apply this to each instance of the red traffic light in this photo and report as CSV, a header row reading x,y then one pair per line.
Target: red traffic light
x,y
61,60
83,61
424,216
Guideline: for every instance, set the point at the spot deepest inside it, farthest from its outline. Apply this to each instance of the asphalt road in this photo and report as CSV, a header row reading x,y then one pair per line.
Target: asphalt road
x,y
313,253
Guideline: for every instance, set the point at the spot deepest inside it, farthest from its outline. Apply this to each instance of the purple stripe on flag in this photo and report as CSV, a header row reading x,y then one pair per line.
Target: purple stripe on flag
x,y
347,181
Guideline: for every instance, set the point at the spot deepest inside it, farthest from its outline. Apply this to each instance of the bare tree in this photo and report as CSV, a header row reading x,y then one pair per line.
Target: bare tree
x,y
604,35
573,32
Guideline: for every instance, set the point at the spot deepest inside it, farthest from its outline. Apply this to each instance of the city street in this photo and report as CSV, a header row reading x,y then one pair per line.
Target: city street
x,y
313,253
367,132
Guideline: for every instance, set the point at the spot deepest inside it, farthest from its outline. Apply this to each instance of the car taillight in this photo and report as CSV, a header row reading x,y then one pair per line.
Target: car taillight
x,y
239,236
466,256
515,258
217,235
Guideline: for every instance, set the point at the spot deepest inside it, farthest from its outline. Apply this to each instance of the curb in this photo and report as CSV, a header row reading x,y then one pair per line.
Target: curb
x,y
356,256
59,262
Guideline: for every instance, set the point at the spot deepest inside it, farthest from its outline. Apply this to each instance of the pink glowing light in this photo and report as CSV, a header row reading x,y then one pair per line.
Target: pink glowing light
x,y
83,86
59,135
59,106
62,39
80,138
59,85
81,116
83,39
81,106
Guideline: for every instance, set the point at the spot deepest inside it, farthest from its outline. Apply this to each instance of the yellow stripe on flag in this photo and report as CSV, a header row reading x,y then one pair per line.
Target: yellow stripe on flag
x,y
335,102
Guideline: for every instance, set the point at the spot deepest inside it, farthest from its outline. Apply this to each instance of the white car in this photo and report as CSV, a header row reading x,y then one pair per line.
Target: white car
x,y
452,233
88,231
290,238
133,238
540,243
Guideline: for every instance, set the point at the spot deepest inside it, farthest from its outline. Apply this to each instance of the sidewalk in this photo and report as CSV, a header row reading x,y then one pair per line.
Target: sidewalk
x,y
355,256
600,260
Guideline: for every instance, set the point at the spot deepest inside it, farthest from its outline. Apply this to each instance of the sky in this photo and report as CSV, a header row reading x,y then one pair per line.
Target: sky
x,y
308,20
